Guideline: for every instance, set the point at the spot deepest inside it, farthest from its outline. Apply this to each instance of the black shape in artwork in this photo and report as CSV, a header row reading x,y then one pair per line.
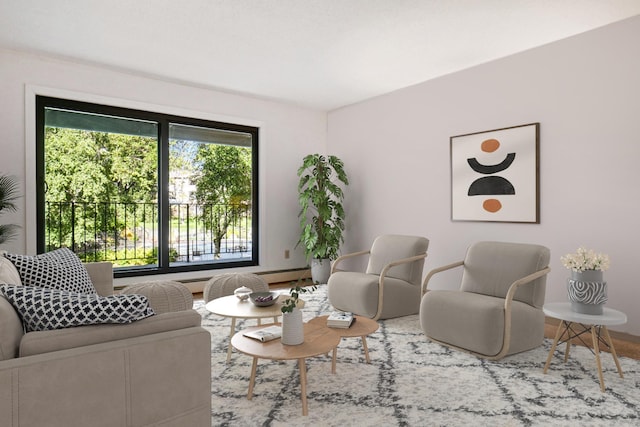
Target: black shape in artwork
x,y
489,169
491,185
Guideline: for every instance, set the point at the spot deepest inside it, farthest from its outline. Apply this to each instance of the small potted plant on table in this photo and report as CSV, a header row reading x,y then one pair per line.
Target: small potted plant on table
x,y
292,326
586,287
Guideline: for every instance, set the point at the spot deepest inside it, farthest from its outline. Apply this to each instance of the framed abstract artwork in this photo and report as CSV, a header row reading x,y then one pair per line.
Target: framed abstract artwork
x,y
495,175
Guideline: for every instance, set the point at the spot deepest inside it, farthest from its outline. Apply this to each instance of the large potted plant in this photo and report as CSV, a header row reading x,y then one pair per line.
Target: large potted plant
x,y
322,215
8,196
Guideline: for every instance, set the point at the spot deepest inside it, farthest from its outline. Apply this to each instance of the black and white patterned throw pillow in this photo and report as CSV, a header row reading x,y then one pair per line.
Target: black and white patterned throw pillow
x,y
43,309
59,269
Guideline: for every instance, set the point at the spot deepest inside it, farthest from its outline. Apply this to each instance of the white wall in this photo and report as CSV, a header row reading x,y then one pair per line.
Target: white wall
x,y
287,134
584,91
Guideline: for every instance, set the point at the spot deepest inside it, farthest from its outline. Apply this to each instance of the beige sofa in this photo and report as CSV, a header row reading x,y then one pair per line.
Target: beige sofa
x,y
156,371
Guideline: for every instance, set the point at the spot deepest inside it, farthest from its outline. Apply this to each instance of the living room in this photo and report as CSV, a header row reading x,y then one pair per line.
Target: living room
x,y
583,90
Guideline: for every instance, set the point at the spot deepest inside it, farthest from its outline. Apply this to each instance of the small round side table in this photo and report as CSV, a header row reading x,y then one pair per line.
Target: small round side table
x,y
596,324
231,306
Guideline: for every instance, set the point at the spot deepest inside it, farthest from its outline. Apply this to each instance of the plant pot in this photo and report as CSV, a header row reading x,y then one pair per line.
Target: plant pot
x,y
292,328
320,270
587,291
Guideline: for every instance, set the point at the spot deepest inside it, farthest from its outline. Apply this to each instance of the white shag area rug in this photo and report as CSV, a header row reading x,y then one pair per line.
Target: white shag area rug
x,y
414,382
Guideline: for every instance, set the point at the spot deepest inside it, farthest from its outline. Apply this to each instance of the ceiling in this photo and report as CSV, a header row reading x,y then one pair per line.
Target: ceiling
x,y
321,54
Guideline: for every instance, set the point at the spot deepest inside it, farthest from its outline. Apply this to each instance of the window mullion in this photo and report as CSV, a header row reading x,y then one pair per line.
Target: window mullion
x,y
164,216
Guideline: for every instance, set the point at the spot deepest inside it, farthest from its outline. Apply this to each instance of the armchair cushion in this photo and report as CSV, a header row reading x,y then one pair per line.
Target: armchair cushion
x,y
58,269
45,309
388,248
491,267
360,296
480,330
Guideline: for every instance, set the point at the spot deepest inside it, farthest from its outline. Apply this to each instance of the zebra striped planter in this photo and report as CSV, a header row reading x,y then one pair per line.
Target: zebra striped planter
x,y
587,291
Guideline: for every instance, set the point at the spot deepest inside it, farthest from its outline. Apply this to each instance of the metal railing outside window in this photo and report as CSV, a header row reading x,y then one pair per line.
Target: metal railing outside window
x,y
127,233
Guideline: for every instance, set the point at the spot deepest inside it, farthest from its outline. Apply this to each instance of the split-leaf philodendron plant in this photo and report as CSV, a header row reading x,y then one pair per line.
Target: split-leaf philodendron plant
x,y
8,196
322,214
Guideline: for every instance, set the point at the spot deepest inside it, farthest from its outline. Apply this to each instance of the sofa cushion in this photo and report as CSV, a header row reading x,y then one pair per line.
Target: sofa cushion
x,y
8,272
39,342
59,269
44,309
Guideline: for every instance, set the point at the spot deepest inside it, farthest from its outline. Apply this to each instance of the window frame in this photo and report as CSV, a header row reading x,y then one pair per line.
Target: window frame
x,y
163,120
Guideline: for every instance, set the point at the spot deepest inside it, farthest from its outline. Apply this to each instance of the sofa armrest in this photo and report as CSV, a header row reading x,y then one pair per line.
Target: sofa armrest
x,y
101,274
158,379
11,331
60,339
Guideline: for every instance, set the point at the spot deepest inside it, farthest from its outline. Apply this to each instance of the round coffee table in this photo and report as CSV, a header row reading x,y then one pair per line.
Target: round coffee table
x,y
231,306
361,327
318,340
593,323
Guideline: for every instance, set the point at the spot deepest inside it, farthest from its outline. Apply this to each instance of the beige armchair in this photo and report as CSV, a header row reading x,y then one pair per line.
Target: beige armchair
x,y
498,309
390,286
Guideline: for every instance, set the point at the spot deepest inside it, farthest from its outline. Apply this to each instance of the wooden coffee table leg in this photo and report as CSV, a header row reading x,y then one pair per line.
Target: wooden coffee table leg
x,y
252,379
333,359
596,350
233,331
303,385
366,349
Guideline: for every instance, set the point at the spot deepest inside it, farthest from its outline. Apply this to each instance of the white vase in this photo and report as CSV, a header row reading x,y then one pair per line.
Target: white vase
x,y
587,291
292,328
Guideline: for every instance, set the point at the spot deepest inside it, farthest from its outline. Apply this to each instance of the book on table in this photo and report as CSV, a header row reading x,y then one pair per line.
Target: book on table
x,y
340,319
265,334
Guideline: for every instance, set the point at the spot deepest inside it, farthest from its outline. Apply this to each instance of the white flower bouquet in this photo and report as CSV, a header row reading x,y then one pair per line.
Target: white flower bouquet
x,y
585,259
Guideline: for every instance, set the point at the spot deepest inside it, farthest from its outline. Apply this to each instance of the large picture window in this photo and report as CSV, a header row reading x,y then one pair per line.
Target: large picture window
x,y
149,192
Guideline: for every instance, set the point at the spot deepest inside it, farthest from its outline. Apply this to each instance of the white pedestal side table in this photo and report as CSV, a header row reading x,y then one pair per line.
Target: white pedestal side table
x,y
568,329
